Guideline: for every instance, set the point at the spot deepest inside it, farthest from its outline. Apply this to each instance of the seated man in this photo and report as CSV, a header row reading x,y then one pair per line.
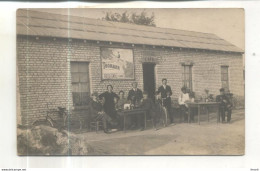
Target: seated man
x,y
146,104
120,106
183,99
134,96
157,110
98,114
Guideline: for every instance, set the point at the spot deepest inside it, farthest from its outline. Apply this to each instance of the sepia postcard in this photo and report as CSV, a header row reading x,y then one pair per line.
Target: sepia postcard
x,y
127,81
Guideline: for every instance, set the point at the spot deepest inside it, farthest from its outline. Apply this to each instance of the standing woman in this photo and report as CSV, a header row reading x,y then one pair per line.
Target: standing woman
x,y
110,98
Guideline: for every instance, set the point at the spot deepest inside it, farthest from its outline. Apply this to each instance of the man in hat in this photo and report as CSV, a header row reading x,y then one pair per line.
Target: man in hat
x,y
229,96
224,106
147,105
166,93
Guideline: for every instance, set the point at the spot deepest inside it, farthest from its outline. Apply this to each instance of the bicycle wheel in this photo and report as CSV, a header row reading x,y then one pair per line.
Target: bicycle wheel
x,y
46,122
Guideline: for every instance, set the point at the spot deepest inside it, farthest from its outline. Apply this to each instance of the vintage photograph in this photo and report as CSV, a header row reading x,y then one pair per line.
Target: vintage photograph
x,y
130,81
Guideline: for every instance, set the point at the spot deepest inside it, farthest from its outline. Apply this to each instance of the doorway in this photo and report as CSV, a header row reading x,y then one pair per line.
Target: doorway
x,y
149,79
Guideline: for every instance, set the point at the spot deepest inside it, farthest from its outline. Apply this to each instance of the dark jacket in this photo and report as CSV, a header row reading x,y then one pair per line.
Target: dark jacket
x,y
224,100
147,104
95,107
135,96
109,105
164,91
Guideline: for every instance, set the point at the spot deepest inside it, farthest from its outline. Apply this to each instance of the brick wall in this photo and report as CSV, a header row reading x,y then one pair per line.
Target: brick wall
x,y
44,71
205,71
43,76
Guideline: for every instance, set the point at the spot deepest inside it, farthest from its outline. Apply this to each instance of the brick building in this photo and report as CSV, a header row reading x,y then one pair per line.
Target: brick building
x,y
59,60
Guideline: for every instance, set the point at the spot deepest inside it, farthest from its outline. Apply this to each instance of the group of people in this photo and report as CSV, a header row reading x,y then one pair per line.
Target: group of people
x,y
224,99
105,106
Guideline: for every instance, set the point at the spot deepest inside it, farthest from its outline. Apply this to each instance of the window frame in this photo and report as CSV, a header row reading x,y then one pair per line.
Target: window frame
x,y
224,76
187,79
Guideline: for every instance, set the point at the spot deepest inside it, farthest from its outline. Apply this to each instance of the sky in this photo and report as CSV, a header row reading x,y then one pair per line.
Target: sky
x,y
227,23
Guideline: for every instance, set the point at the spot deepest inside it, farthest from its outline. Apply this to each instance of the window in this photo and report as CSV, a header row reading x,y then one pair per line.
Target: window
x,y
187,76
80,83
224,77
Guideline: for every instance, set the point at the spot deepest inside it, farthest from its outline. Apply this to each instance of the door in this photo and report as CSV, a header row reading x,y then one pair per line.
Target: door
x,y
149,79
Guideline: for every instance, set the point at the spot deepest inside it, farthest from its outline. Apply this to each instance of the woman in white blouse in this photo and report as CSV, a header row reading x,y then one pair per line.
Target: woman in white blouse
x,y
183,99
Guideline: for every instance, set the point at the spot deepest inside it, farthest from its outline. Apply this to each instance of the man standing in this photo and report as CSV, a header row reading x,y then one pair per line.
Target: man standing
x,y
229,105
166,93
135,95
224,106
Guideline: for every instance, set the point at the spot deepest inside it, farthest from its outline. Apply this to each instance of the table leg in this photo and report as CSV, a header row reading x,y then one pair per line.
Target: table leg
x,y
199,114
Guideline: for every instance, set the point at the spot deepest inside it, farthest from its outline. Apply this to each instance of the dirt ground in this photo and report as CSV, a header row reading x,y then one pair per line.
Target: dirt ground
x,y
208,138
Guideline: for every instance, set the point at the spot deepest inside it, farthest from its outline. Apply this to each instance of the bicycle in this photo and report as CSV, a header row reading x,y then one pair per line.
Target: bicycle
x,y
61,119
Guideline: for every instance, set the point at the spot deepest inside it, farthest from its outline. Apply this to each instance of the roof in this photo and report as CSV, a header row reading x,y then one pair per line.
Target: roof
x,y
37,23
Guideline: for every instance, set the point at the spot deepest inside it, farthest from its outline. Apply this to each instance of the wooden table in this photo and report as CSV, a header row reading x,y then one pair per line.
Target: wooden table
x,y
129,112
199,105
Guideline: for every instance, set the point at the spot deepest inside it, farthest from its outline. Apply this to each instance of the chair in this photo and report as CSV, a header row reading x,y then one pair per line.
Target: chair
x,y
176,109
96,125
